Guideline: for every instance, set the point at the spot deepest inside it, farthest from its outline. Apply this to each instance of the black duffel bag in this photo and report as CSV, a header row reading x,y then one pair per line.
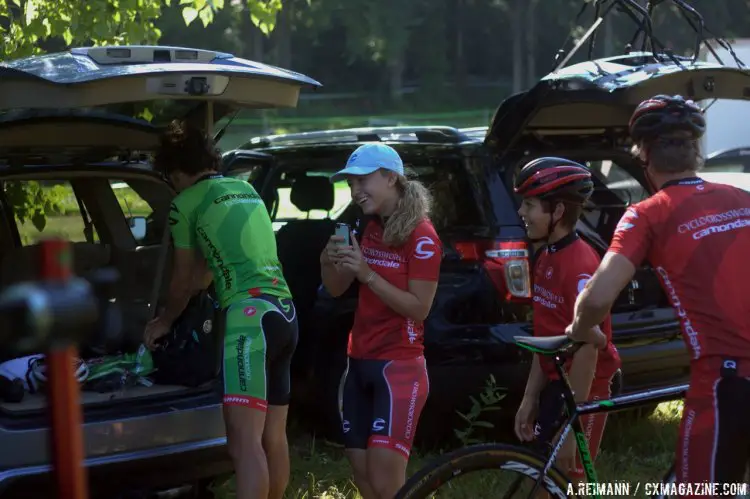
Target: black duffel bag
x,y
187,355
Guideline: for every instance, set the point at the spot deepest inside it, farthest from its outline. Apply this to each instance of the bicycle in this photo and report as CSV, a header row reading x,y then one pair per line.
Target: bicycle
x,y
54,315
526,462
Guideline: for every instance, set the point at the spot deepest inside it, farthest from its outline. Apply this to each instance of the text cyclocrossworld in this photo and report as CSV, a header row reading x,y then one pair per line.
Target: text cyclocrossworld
x,y
624,489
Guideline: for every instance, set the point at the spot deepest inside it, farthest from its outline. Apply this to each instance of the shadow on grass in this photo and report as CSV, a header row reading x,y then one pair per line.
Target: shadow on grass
x,y
633,450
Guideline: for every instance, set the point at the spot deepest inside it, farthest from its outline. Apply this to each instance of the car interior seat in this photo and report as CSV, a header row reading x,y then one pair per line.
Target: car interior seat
x,y
299,242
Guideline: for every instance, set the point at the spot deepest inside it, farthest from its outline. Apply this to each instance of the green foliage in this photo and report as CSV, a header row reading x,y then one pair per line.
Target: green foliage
x,y
32,23
489,400
32,202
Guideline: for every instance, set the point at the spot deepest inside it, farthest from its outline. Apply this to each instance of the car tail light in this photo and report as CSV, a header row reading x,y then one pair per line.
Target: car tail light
x,y
506,262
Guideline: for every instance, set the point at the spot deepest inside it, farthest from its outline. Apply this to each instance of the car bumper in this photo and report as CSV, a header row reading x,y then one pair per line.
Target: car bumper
x,y
654,365
153,451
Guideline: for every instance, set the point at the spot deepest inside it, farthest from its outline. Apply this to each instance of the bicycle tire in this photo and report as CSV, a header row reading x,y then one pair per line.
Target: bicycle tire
x,y
482,457
669,477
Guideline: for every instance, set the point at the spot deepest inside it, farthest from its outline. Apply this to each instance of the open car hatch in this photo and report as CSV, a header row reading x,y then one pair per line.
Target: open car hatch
x,y
596,98
93,77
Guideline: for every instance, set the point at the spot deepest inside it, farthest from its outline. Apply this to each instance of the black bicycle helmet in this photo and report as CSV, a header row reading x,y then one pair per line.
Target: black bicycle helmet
x,y
663,114
550,178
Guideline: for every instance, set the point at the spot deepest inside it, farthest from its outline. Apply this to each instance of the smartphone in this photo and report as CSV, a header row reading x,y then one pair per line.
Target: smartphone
x,y
344,231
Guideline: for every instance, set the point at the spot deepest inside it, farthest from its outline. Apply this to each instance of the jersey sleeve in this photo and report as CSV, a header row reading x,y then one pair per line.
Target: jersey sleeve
x,y
183,233
580,274
633,235
426,253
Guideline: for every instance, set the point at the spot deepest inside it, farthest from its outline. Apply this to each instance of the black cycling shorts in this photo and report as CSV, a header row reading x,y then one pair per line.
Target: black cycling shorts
x,y
551,417
382,402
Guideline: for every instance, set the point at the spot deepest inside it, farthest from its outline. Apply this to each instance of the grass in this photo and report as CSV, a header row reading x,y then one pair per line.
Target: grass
x,y
633,452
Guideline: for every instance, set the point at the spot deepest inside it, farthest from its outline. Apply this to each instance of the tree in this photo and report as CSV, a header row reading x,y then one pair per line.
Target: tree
x,y
28,26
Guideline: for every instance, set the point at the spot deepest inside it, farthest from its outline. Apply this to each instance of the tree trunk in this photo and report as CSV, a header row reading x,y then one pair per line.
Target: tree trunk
x,y
530,35
283,35
396,77
516,19
459,61
609,36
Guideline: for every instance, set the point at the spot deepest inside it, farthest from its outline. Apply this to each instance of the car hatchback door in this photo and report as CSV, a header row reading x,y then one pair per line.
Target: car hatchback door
x,y
121,79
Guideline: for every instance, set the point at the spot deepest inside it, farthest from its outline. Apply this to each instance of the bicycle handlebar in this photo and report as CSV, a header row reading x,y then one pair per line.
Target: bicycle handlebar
x,y
36,315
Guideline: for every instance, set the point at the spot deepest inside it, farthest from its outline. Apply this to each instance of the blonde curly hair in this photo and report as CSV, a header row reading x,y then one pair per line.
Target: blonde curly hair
x,y
414,205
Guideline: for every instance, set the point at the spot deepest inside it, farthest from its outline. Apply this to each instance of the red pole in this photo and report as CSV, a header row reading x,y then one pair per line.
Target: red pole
x,y
64,392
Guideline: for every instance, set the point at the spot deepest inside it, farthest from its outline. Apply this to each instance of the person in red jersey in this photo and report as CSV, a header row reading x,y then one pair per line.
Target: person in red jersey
x,y
554,191
397,265
696,236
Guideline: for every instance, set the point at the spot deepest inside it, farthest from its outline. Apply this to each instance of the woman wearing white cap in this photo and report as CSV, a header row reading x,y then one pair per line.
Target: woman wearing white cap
x,y
397,266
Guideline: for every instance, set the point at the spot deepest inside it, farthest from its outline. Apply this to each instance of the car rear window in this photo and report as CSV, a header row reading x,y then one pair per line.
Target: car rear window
x,y
454,204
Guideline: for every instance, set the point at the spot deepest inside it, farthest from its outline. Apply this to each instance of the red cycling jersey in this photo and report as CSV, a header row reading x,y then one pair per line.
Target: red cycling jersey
x,y
560,274
696,235
378,331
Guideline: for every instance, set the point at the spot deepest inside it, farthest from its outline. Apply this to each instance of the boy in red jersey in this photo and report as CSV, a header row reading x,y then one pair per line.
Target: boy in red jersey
x,y
554,191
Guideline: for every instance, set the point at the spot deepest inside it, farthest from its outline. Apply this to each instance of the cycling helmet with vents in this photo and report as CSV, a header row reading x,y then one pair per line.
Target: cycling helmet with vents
x,y
551,178
663,114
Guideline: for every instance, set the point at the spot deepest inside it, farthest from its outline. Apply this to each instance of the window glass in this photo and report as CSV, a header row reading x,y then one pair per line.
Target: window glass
x,y
49,208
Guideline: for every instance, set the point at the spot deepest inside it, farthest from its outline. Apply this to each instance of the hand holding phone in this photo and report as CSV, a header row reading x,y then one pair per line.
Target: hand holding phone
x,y
343,231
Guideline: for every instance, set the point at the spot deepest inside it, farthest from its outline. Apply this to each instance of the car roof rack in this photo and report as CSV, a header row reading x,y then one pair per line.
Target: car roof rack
x,y
416,134
475,133
731,152
641,16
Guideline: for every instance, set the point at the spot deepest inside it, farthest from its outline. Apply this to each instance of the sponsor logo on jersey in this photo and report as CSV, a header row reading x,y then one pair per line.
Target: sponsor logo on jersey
x,y
713,219
250,311
422,251
547,298
548,274
627,221
378,424
243,361
583,279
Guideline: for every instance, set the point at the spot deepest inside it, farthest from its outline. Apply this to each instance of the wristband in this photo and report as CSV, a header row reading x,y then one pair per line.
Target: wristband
x,y
370,277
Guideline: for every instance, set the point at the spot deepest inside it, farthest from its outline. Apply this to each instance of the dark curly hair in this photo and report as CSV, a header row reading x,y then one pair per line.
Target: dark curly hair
x,y
185,148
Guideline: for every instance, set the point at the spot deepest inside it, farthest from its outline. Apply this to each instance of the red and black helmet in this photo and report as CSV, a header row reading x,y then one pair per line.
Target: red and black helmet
x,y
663,114
552,178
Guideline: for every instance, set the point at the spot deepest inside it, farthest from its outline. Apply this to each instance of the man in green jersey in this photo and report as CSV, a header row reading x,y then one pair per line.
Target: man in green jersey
x,y
223,223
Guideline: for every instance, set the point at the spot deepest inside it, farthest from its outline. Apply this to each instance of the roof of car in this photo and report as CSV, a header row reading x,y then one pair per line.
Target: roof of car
x,y
440,135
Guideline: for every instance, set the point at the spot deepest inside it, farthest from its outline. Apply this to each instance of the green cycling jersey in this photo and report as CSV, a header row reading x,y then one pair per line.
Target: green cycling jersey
x,y
227,220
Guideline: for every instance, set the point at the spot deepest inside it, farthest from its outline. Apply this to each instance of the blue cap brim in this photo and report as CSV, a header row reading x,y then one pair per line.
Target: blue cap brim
x,y
353,170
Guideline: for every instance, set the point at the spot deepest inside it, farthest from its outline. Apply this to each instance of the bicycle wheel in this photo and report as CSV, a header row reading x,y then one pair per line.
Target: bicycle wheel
x,y
521,469
669,478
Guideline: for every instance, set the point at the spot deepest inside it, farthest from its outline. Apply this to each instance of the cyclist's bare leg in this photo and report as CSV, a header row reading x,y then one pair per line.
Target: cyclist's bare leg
x,y
358,460
244,439
386,470
277,450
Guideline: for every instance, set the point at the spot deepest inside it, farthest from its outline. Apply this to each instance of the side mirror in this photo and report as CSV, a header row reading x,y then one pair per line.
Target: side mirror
x,y
137,227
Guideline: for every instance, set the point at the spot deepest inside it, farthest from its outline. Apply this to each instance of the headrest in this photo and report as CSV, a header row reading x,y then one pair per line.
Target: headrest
x,y
312,193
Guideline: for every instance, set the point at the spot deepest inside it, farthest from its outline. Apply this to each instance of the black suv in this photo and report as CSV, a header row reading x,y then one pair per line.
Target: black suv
x,y
483,297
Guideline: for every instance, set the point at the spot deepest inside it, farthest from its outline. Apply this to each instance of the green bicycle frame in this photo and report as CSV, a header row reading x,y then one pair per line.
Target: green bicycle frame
x,y
575,411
